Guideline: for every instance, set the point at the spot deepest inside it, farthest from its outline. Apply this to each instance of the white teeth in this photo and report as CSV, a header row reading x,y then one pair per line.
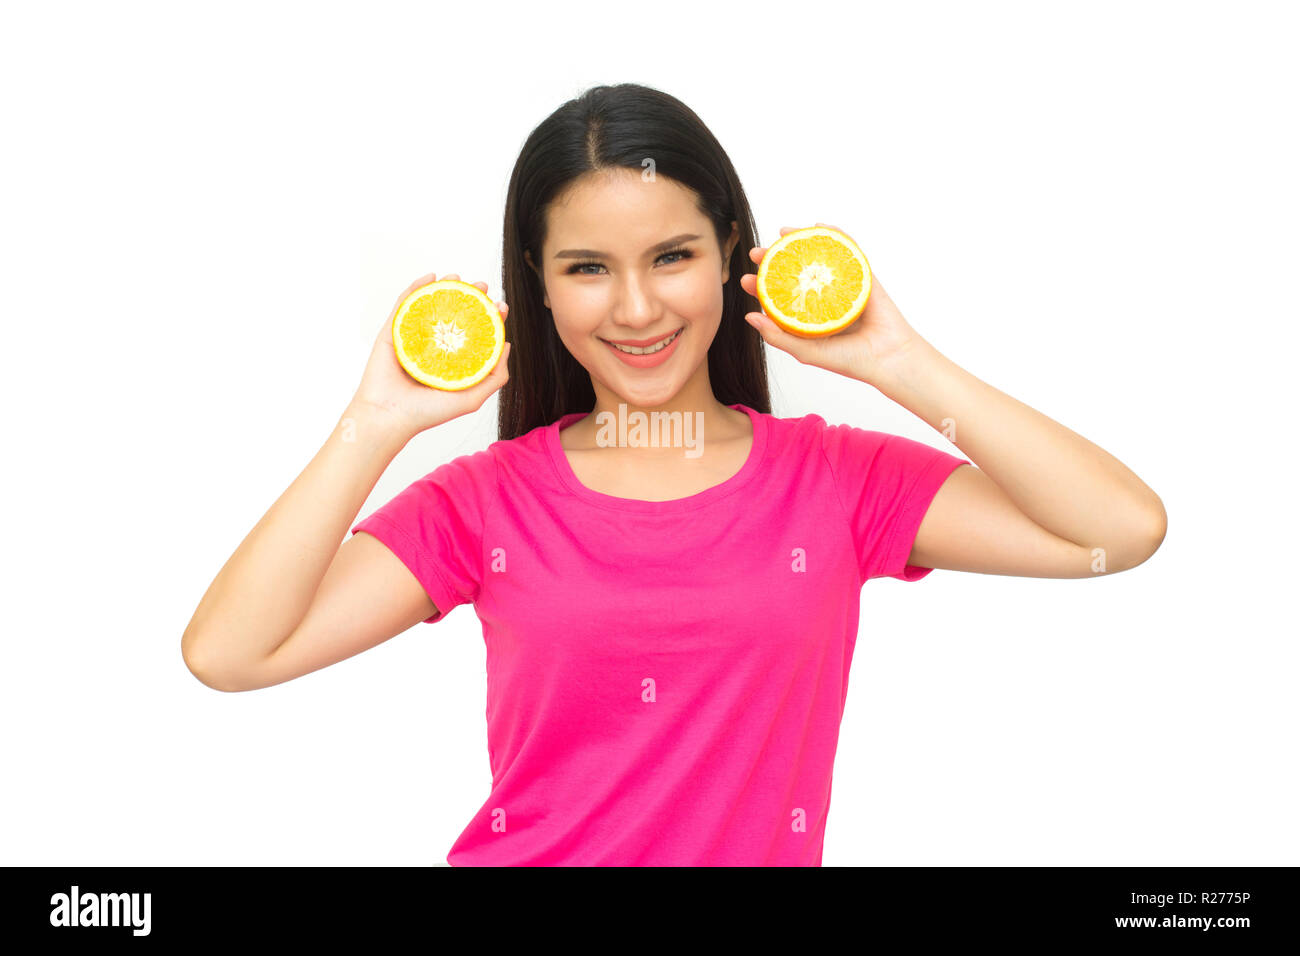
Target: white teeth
x,y
649,350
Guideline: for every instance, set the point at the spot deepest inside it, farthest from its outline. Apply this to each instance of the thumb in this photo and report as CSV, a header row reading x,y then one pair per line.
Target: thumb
x,y
501,372
776,336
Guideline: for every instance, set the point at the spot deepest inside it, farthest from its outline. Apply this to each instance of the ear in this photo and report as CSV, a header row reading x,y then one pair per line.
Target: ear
x,y
730,248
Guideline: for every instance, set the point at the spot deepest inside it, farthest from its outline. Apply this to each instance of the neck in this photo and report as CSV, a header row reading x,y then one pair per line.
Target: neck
x,y
678,425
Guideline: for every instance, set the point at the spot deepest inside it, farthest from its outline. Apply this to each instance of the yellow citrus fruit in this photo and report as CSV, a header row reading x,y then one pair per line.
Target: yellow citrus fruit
x,y
448,335
814,282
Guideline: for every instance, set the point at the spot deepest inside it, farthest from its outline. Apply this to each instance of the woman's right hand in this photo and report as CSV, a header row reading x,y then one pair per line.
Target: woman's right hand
x,y
414,407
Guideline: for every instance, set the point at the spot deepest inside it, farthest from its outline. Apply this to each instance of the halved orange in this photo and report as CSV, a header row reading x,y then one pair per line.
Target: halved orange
x,y
448,335
814,282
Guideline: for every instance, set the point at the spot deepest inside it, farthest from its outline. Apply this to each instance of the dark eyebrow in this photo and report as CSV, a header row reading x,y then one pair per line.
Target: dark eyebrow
x,y
593,254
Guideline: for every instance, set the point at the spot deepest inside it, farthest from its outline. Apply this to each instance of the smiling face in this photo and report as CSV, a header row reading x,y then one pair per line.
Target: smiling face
x,y
634,261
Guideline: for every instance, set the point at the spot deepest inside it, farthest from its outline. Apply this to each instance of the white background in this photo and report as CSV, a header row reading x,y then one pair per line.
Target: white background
x,y
207,214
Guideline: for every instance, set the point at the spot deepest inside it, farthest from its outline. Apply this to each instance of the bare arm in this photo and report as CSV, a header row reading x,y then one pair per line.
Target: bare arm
x,y
265,588
1042,501
291,599
1045,502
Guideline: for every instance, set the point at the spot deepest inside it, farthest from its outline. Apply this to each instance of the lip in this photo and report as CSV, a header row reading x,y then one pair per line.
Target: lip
x,y
648,361
639,343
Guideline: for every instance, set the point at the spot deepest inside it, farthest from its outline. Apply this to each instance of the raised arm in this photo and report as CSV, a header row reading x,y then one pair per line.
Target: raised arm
x,y
263,593
292,599
1042,501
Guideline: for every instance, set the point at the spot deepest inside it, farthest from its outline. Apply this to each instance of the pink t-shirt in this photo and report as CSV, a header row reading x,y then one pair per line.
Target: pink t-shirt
x,y
665,679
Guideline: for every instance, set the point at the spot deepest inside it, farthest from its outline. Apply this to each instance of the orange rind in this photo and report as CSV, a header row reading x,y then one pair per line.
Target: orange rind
x,y
814,282
448,335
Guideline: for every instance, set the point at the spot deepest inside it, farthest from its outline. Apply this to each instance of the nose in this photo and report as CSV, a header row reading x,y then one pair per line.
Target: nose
x,y
635,306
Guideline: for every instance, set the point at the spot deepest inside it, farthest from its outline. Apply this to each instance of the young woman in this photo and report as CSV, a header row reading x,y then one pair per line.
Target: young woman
x,y
669,624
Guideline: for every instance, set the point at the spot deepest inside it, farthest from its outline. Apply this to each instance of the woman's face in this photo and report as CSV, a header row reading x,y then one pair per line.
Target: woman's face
x,y
629,260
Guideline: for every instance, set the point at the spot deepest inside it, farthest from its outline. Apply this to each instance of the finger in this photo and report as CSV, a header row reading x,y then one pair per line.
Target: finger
x,y
774,335
482,390
423,280
451,275
500,372
760,321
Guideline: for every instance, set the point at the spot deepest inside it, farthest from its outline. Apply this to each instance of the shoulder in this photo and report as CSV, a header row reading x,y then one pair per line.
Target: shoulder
x,y
475,467
799,435
836,445
514,465
488,463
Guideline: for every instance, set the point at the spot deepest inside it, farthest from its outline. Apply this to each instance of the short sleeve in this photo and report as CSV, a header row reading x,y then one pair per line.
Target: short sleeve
x,y
885,483
435,526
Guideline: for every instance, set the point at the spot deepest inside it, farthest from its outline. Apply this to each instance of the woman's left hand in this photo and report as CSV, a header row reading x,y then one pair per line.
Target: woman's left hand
x,y
865,350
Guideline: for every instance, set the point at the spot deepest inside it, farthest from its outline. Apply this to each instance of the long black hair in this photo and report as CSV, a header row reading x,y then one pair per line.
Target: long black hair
x,y
605,128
